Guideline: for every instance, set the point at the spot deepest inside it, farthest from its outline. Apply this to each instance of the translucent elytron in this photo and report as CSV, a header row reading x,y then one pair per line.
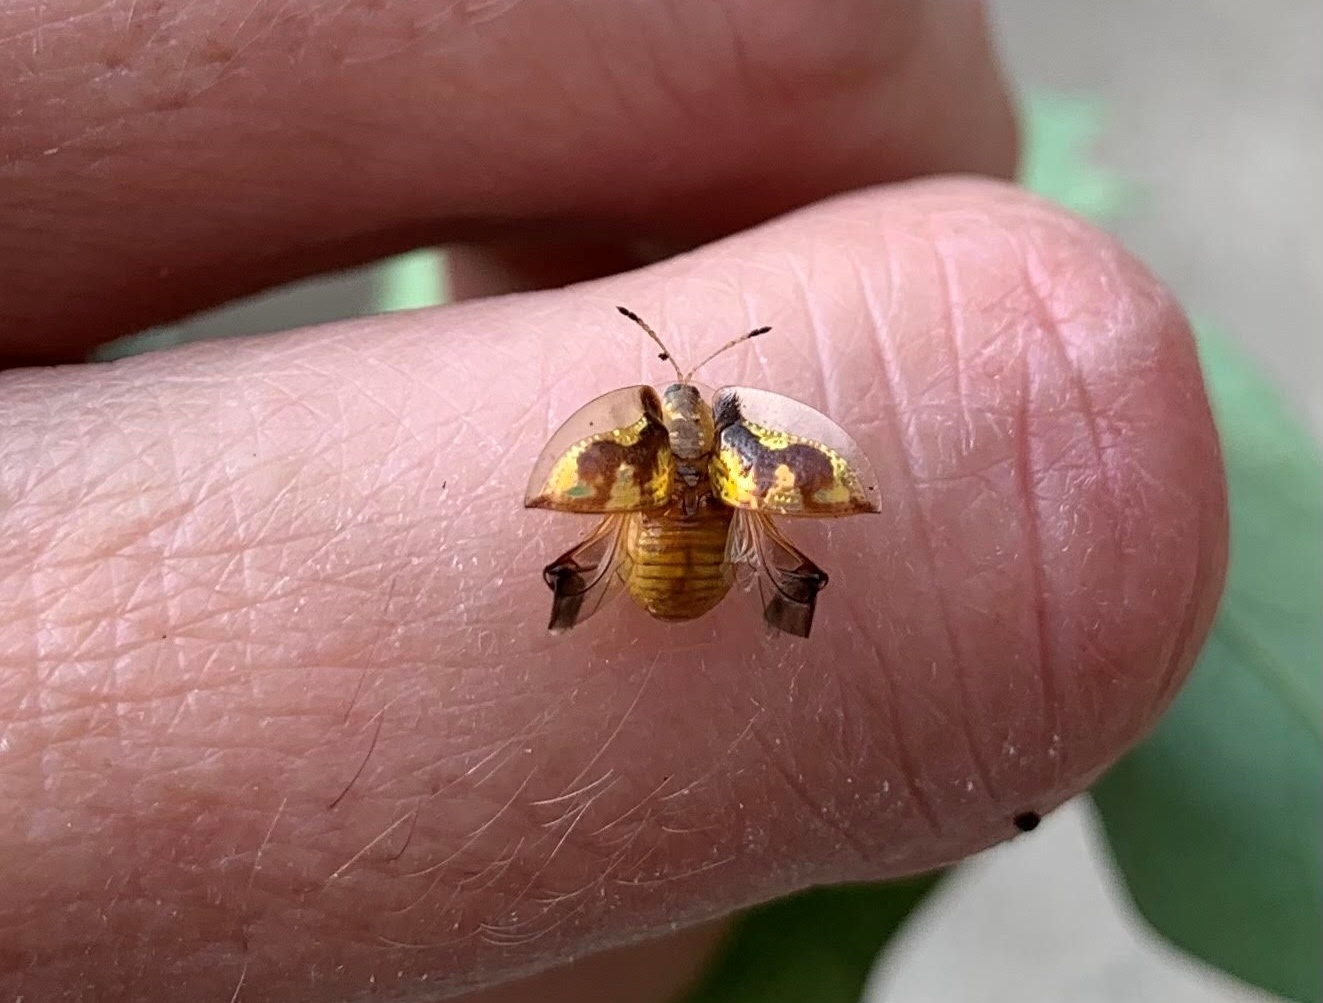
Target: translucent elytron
x,y
778,455
612,455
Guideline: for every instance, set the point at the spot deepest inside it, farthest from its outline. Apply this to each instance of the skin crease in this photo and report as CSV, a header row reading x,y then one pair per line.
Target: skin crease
x,y
296,562
278,718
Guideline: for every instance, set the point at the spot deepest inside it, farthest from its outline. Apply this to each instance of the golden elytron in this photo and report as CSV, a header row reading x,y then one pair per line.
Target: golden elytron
x,y
686,490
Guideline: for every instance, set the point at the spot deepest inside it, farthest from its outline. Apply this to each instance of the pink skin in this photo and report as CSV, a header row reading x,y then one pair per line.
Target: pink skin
x,y
243,572
279,718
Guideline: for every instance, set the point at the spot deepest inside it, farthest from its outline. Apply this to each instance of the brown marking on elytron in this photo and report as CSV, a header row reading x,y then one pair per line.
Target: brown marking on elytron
x,y
599,464
811,468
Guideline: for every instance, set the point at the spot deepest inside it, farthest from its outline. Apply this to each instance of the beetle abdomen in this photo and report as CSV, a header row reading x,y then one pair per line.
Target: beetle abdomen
x,y
678,562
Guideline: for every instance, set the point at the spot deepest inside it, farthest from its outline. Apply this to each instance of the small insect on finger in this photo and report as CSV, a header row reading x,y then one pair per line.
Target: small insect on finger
x,y
687,487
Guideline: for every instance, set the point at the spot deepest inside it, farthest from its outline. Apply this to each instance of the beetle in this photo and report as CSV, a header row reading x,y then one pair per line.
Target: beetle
x,y
686,490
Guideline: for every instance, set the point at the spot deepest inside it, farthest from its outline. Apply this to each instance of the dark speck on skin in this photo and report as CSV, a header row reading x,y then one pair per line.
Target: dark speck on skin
x,y
1027,821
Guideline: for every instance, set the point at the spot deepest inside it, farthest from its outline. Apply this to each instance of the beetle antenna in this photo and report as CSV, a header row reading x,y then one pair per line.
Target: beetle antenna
x,y
730,344
665,352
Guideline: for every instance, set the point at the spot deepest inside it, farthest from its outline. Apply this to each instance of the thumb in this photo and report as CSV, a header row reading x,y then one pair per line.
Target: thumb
x,y
279,695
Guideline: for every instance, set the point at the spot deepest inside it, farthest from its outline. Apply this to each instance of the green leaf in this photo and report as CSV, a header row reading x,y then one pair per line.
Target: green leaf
x,y
411,281
816,947
1217,820
1060,133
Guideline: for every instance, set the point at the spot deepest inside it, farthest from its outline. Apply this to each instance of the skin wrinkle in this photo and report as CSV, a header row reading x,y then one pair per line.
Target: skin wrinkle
x,y
1053,410
884,763
749,70
1053,326
953,330
1131,484
672,96
1033,556
849,744
815,812
657,835
910,771
955,307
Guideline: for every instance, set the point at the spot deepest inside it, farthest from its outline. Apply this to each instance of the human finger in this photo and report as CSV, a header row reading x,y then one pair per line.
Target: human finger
x,y
280,703
161,156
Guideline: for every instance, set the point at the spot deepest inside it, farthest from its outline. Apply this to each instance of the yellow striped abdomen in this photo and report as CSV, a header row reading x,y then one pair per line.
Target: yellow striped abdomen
x,y
677,561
